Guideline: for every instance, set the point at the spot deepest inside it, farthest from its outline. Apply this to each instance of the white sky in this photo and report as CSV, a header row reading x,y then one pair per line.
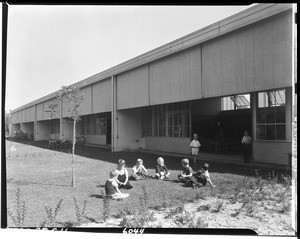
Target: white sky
x,y
52,46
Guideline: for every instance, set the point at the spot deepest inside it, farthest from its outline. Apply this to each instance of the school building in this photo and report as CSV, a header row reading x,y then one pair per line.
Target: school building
x,y
236,74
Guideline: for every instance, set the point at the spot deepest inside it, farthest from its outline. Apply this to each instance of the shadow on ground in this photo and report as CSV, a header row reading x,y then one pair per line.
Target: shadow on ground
x,y
172,162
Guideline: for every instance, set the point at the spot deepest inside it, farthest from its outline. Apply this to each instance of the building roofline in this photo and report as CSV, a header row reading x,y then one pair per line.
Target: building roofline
x,y
241,19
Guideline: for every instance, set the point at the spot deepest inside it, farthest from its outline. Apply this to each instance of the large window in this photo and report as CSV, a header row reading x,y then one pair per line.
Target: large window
x,y
270,115
93,124
235,102
168,120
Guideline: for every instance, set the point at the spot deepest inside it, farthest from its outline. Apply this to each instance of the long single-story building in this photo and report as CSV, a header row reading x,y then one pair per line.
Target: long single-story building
x,y
234,75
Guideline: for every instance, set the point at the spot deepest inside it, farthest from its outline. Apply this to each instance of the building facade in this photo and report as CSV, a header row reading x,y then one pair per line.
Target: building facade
x,y
237,74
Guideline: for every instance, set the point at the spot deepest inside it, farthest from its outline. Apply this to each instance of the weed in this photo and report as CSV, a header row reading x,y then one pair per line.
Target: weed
x,y
174,211
144,199
199,223
286,207
235,214
204,207
79,213
137,220
51,215
20,210
187,219
106,208
250,207
218,206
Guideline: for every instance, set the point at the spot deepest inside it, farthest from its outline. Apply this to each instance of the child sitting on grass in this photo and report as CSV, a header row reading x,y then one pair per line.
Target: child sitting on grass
x,y
123,175
111,187
161,171
201,177
139,171
186,174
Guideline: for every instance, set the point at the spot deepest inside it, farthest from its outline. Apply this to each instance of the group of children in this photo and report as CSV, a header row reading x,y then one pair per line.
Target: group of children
x,y
119,177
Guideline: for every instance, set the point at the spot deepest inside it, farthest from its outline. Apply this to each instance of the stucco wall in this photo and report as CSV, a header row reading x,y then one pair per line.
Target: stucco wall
x,y
168,144
96,139
272,152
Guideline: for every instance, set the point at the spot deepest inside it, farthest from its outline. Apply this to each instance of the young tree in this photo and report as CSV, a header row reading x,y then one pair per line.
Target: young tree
x,y
71,95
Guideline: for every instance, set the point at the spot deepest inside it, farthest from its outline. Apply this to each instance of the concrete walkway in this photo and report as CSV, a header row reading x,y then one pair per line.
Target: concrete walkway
x,y
222,158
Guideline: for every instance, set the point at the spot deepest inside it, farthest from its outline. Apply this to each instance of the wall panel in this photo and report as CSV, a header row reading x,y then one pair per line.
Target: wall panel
x,y
23,116
176,78
86,106
102,96
132,88
256,57
40,111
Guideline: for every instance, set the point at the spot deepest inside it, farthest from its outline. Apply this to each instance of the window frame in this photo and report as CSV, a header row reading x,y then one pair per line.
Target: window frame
x,y
270,105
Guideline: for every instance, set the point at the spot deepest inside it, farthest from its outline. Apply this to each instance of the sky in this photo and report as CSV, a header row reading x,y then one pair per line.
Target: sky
x,y
52,46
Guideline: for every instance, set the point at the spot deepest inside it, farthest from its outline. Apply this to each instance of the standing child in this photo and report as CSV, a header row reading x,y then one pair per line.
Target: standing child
x,y
139,171
111,187
246,141
123,175
195,145
161,171
201,177
186,174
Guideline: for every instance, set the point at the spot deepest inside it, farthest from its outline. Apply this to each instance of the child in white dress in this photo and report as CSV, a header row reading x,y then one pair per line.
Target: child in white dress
x,y
195,145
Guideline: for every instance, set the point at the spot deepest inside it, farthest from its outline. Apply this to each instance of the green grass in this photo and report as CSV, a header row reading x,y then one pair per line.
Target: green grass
x,y
44,178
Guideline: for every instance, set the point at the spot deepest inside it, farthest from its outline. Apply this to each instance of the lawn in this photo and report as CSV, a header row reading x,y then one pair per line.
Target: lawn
x,y
242,198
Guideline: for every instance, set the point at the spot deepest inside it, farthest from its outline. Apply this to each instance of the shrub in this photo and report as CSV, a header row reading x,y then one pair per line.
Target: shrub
x,y
19,214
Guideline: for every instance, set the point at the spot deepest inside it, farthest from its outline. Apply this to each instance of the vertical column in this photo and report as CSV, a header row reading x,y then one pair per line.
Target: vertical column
x,y
113,113
288,114
61,123
253,104
35,124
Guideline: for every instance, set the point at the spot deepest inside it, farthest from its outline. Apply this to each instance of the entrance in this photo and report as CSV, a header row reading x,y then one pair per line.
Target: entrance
x,y
220,131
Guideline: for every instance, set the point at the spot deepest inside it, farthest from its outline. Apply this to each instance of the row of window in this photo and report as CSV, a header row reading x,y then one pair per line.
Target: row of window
x,y
168,120
94,124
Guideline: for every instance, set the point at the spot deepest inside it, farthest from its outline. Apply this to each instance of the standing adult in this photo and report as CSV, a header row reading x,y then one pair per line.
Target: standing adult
x,y
247,142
